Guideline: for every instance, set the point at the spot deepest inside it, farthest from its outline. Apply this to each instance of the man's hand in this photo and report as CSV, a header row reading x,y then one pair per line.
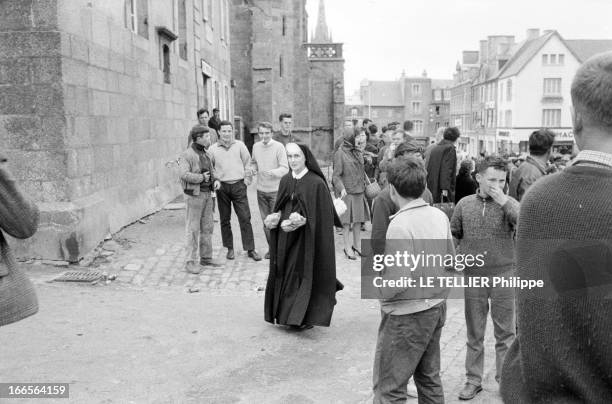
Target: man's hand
x,y
217,185
271,221
445,193
498,196
248,180
206,176
343,193
266,173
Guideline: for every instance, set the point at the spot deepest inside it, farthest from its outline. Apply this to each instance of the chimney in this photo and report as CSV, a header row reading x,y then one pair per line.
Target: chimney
x,y
533,33
483,51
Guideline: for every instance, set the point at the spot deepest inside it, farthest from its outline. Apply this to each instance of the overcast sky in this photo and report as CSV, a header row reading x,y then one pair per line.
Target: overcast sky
x,y
383,37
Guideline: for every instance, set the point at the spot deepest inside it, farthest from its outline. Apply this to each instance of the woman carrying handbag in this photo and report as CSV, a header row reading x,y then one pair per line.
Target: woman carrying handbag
x,y
19,219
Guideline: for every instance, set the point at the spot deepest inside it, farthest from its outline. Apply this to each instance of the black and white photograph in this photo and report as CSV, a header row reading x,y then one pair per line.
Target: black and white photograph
x,y
305,201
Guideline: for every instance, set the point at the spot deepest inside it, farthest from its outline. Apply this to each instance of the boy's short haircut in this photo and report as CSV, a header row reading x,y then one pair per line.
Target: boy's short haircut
x,y
408,176
225,123
451,133
541,141
201,111
266,125
494,161
372,129
283,116
408,126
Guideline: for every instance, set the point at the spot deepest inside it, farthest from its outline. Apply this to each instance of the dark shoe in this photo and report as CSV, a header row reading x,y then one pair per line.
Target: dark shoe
x,y
208,262
267,256
363,228
469,391
351,257
192,268
300,327
357,251
253,254
230,254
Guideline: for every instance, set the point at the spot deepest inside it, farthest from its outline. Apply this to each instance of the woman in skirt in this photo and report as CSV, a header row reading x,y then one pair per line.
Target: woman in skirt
x,y
349,184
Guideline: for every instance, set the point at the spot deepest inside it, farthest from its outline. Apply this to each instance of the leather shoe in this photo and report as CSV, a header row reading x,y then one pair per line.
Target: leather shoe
x,y
208,262
469,391
253,254
267,256
230,254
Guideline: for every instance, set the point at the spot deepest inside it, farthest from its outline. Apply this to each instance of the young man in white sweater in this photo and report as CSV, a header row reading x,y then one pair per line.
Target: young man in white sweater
x,y
269,161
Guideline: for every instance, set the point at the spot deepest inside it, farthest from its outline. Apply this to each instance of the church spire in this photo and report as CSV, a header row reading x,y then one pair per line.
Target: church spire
x,y
322,32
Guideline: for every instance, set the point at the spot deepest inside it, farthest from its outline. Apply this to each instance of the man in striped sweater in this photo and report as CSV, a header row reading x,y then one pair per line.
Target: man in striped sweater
x,y
563,351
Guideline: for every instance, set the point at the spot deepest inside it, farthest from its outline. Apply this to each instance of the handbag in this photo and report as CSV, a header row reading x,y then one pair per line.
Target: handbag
x,y
447,207
17,296
340,206
372,188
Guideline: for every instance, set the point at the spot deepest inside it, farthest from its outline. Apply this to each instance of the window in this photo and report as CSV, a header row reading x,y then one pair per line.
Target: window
x,y
217,95
482,94
544,59
353,112
500,119
553,59
552,86
136,17
284,26
416,107
416,89
227,103
508,118
446,94
166,63
437,110
222,19
561,59
418,126
501,90
227,17
551,118
509,91
182,21
438,95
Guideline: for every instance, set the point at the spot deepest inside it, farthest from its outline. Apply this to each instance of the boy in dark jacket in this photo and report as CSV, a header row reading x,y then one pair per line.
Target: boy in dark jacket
x,y
484,224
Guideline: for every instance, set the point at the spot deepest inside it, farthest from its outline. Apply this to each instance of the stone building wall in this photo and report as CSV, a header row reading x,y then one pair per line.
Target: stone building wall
x,y
89,124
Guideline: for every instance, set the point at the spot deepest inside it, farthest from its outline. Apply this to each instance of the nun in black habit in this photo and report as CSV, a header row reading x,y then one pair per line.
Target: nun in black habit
x,y
302,281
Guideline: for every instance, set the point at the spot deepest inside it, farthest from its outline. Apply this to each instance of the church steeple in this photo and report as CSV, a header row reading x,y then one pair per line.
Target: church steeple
x,y
322,34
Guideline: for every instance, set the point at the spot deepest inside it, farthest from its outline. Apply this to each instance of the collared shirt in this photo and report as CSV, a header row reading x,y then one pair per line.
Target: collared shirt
x,y
593,158
301,174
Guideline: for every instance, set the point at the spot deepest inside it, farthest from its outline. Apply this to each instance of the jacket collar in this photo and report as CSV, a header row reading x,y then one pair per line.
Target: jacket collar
x,y
536,163
416,203
483,198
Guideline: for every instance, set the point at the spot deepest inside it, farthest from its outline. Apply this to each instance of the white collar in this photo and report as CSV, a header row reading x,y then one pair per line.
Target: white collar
x,y
300,175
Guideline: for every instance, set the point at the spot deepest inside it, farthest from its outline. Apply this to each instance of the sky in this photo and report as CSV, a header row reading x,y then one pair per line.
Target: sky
x,y
383,37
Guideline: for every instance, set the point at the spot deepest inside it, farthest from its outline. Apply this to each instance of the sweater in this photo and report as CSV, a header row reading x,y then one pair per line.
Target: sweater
x,y
563,351
232,162
484,227
412,229
272,158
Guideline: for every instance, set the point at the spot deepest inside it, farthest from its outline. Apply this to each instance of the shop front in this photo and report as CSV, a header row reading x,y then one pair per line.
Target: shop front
x,y
511,141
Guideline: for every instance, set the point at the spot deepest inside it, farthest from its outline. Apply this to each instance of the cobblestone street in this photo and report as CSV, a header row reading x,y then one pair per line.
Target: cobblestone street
x,y
145,338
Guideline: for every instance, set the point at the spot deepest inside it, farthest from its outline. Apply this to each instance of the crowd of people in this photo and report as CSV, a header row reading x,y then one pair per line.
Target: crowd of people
x,y
531,223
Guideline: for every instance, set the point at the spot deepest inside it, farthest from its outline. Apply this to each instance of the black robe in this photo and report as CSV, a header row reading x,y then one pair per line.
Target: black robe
x,y
302,283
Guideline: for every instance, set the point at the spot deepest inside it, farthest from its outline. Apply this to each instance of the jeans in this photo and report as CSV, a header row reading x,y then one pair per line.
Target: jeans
x,y
199,225
409,345
266,202
502,314
235,194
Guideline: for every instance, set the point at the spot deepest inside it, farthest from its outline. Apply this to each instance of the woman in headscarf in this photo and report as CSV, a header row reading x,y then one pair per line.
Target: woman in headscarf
x,y
302,283
349,184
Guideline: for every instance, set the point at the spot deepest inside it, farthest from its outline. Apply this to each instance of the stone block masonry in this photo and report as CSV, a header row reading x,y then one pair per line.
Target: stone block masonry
x,y
86,120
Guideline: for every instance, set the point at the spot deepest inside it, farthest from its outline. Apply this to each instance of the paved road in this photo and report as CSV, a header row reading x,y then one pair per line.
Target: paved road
x,y
144,338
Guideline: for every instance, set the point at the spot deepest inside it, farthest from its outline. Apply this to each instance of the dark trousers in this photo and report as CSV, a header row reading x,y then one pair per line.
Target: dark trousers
x,y
502,314
409,345
266,202
235,194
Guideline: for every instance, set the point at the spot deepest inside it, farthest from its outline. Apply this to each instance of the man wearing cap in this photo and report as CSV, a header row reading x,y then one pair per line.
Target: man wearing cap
x,y
196,167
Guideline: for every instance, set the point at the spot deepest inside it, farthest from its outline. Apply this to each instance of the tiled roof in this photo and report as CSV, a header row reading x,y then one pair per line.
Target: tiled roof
x,y
524,54
585,48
